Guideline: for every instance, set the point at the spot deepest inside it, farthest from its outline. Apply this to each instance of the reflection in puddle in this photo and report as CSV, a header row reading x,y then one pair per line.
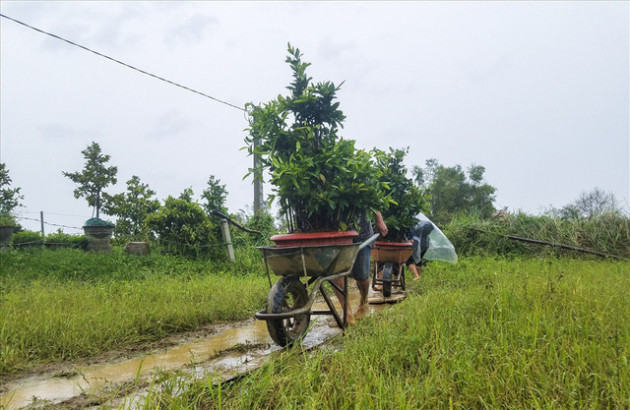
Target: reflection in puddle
x,y
196,355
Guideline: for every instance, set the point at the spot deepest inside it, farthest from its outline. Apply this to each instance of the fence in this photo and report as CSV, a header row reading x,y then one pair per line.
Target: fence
x,y
44,242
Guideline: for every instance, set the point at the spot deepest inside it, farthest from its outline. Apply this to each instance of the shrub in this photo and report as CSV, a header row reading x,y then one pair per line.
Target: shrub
x,y
60,239
184,228
27,239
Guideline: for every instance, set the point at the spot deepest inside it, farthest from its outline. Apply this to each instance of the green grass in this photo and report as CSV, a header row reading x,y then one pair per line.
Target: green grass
x,y
486,333
68,304
606,233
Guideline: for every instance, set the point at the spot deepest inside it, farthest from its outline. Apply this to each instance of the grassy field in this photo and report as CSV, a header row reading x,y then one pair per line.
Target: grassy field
x,y
486,333
69,304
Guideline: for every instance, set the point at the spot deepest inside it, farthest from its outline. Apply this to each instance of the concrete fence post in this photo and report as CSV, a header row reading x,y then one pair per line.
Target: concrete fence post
x,y
225,230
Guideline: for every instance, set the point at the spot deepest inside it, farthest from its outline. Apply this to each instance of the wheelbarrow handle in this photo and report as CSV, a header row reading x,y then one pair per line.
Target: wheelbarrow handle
x,y
369,241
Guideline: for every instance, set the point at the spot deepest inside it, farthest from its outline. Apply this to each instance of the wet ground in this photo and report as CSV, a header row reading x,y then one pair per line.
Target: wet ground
x,y
229,351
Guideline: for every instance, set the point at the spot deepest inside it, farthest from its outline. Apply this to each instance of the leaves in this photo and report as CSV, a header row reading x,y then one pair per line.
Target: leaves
x,y
94,177
321,179
184,228
451,192
9,197
132,208
406,199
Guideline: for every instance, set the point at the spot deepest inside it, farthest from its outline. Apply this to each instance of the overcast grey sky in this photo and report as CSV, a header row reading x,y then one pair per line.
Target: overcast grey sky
x,y
536,92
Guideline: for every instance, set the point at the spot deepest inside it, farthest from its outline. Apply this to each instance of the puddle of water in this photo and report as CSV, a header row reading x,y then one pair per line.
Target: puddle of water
x,y
91,379
94,377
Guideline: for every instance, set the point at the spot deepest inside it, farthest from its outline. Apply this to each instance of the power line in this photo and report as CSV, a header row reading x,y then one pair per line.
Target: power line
x,y
47,223
122,63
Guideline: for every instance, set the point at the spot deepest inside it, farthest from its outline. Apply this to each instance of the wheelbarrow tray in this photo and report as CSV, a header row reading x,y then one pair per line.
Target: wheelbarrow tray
x,y
395,252
319,260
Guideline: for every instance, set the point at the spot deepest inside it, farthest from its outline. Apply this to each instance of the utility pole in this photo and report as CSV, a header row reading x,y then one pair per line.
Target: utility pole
x,y
41,219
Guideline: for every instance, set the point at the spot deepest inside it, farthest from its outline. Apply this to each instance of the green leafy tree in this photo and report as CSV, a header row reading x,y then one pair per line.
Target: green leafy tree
x,y
214,196
187,195
322,181
131,209
184,228
261,221
451,191
94,177
406,198
9,197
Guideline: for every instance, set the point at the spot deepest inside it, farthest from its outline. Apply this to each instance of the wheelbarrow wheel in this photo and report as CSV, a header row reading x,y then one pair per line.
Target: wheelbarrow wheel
x,y
286,295
387,279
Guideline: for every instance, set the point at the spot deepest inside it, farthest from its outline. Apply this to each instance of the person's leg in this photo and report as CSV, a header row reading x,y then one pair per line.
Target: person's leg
x,y
413,260
364,287
361,274
414,270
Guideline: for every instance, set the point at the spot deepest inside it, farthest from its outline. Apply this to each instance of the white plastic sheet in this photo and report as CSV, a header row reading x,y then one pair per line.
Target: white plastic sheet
x,y
440,248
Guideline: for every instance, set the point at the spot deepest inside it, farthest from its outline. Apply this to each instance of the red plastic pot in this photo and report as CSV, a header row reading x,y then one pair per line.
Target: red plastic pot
x,y
314,239
393,245
396,252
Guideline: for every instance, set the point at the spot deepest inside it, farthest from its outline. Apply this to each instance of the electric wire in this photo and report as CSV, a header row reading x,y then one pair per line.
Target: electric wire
x,y
47,223
122,63
159,240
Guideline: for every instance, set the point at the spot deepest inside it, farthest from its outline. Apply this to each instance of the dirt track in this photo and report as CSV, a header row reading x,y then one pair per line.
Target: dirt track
x,y
222,351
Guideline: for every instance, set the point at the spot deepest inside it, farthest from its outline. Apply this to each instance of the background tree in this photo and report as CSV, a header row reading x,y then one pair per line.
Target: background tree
x,y
131,209
184,228
588,205
9,197
187,195
213,199
406,197
214,196
94,177
451,191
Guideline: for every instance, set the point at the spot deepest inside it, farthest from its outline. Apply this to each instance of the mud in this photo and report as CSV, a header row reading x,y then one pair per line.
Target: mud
x,y
230,351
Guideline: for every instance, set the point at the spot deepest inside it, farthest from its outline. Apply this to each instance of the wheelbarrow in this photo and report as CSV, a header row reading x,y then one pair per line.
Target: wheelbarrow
x,y
289,302
389,265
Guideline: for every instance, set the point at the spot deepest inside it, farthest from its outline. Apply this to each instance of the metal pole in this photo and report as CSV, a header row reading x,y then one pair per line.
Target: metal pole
x,y
225,230
41,218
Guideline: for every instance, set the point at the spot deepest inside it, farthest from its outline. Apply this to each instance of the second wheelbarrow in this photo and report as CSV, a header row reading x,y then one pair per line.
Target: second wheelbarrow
x,y
389,261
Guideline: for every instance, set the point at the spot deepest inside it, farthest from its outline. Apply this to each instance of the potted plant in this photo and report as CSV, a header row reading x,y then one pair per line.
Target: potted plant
x,y
390,253
9,200
91,181
7,226
406,198
321,180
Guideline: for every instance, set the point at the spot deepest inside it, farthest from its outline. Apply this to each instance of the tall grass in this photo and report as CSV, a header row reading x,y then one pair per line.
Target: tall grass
x,y
487,333
607,233
68,304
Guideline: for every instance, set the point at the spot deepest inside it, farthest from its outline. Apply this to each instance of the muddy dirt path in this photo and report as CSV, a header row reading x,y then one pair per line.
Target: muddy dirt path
x,y
222,351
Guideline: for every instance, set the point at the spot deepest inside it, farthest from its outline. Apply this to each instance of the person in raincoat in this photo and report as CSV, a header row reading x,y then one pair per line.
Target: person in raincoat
x,y
420,235
429,243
